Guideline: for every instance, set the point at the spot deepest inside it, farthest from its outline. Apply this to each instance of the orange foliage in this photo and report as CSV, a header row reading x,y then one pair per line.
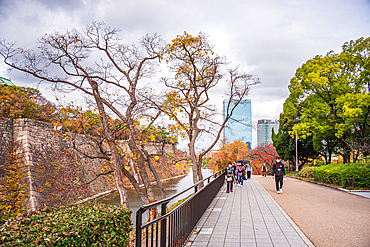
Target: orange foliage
x,y
229,152
21,102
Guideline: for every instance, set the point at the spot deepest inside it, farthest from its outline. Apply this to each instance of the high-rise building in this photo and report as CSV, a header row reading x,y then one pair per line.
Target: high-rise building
x,y
239,126
264,130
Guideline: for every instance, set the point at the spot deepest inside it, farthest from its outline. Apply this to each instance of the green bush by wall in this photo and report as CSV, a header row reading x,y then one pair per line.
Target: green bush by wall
x,y
88,224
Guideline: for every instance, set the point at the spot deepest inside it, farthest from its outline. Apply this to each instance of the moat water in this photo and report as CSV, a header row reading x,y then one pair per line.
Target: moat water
x,y
171,187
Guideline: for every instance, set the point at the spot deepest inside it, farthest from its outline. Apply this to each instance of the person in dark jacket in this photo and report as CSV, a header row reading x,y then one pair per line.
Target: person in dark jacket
x,y
278,173
264,170
229,177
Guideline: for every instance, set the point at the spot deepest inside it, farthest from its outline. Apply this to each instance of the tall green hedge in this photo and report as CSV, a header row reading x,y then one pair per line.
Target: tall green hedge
x,y
89,224
355,175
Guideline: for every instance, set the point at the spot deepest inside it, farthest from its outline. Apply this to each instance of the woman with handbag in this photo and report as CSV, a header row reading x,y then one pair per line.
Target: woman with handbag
x,y
229,177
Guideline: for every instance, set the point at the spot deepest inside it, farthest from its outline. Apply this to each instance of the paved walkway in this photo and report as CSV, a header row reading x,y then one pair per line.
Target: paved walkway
x,y
247,217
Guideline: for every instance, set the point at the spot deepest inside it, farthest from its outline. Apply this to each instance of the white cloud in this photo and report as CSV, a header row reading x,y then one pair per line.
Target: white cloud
x,y
267,38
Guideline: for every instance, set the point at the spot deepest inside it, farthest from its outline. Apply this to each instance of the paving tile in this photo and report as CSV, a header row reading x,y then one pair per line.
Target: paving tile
x,y
282,245
199,244
280,242
264,245
202,238
246,217
215,244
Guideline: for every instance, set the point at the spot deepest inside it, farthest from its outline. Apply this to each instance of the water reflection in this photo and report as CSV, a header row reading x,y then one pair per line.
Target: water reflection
x,y
171,187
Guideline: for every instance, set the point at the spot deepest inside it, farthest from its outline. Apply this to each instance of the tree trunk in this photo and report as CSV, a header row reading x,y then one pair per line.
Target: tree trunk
x,y
157,178
152,214
136,185
193,162
200,175
134,172
115,159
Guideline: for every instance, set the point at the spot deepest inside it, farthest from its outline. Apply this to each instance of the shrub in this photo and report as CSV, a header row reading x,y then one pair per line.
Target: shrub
x,y
328,174
356,175
347,175
306,172
89,224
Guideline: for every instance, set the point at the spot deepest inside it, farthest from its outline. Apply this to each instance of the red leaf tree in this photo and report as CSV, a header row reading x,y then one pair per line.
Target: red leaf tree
x,y
264,153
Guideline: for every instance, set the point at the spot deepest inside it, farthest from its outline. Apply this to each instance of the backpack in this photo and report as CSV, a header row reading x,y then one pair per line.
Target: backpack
x,y
229,171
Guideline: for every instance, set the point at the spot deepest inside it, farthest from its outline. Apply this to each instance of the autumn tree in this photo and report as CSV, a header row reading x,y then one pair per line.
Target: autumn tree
x,y
263,154
111,82
196,73
21,102
229,152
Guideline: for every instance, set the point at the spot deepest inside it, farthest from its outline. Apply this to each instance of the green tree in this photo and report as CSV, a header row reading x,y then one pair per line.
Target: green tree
x,y
285,143
319,98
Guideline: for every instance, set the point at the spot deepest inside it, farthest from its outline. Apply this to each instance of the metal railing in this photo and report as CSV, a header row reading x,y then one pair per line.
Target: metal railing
x,y
175,227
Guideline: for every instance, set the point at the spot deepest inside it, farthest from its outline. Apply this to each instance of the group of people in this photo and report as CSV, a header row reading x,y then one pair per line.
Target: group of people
x,y
236,173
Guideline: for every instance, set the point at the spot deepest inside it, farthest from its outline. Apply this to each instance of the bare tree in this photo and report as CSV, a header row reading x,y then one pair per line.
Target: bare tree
x,y
197,70
95,62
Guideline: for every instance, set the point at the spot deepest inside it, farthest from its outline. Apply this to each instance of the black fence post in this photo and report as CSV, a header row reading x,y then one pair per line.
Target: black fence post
x,y
176,226
163,225
139,219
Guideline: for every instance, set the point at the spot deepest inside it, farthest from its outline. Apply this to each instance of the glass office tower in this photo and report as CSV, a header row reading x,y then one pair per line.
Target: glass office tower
x,y
264,130
239,126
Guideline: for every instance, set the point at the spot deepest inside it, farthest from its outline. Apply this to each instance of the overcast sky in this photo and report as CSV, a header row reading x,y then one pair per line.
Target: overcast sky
x,y
267,38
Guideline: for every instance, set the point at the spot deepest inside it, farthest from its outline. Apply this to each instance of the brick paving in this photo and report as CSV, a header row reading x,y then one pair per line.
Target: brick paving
x,y
249,216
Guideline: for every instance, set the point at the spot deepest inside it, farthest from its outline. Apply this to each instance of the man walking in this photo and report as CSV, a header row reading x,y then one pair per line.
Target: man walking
x,y
279,171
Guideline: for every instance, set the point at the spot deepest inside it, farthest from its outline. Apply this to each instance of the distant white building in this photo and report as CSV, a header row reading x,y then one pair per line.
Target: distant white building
x,y
264,130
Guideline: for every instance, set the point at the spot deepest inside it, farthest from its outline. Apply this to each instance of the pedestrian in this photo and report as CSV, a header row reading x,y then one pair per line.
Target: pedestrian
x,y
239,172
264,170
279,171
249,171
235,176
229,177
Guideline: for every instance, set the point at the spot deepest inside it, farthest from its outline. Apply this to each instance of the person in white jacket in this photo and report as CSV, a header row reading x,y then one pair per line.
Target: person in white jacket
x,y
249,171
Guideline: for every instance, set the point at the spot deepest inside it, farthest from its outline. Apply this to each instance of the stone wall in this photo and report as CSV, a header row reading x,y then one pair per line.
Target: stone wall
x,y
54,170
6,136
